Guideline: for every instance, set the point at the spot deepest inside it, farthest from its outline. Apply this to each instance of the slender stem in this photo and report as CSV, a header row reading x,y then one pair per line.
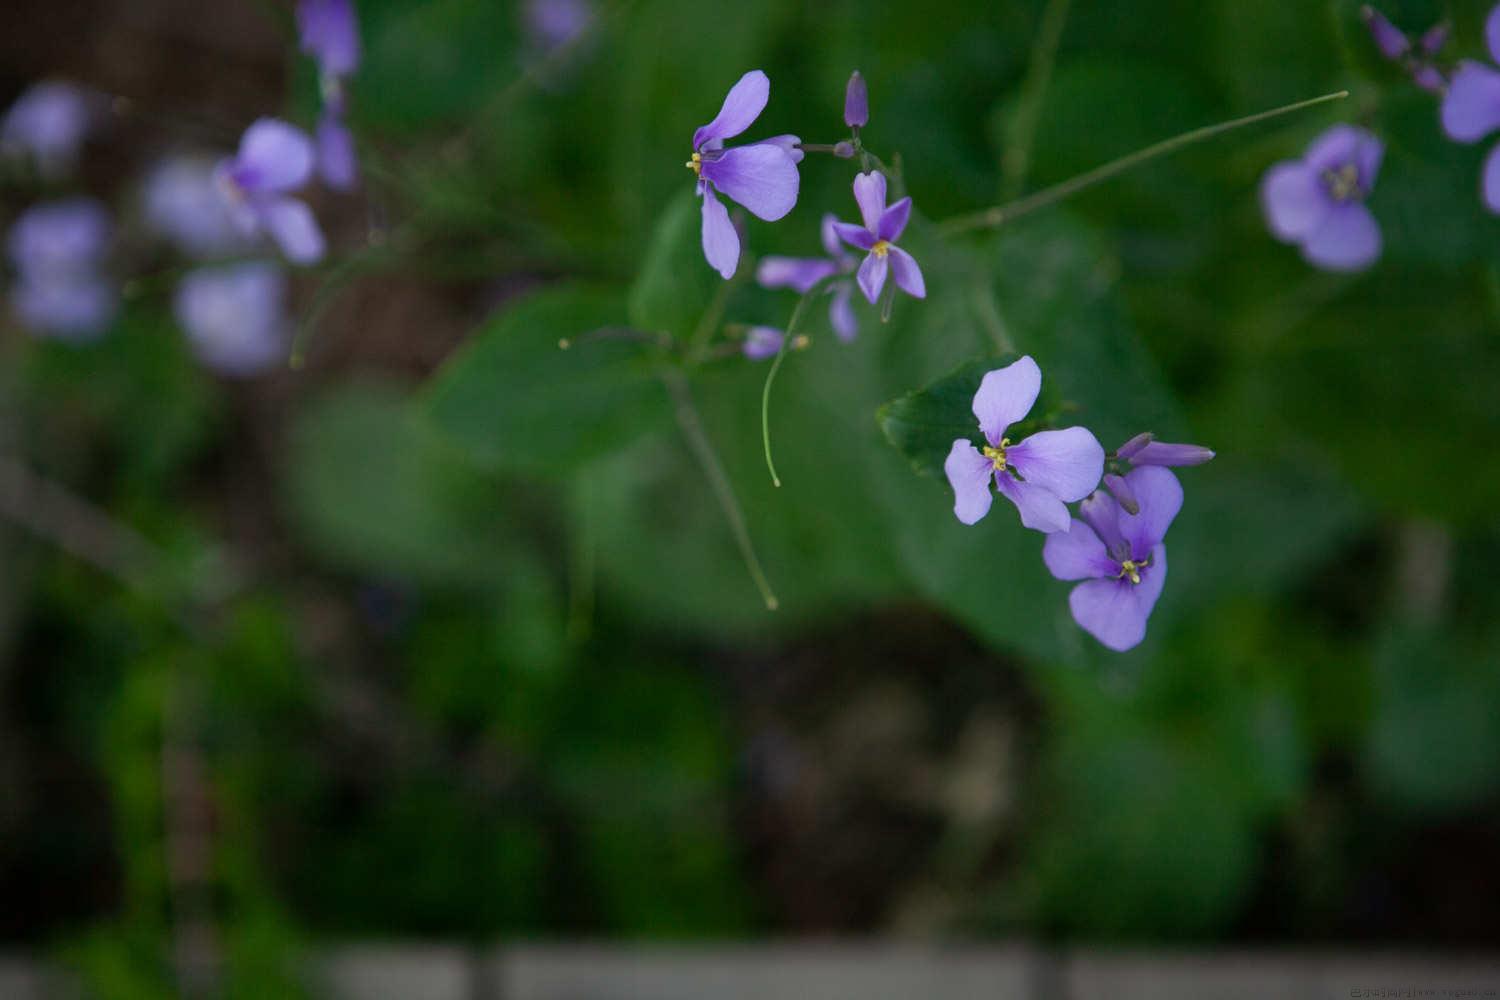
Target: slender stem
x,y
708,460
765,391
999,214
1017,158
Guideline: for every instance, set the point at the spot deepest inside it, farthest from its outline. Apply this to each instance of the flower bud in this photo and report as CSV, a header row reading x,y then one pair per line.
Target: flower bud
x,y
844,150
1122,493
856,102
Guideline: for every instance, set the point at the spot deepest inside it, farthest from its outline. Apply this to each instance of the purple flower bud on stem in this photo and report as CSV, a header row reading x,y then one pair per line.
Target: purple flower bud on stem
x,y
844,150
1389,39
856,102
1135,444
1122,492
1160,453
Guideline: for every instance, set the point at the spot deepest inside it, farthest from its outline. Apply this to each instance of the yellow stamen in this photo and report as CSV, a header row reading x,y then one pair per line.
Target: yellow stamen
x,y
696,165
995,454
1132,569
1342,183
881,248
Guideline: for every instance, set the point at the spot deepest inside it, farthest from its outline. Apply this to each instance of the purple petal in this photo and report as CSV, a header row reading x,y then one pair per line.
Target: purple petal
x,y
1430,79
742,105
1077,554
1102,513
855,236
1067,462
1160,496
55,237
893,220
829,234
273,156
1471,108
841,313
721,243
907,274
1116,611
762,178
1040,509
48,122
1005,396
1490,187
796,273
329,34
869,194
871,276
1492,33
292,225
1348,240
969,474
71,307
789,144
856,102
1295,200
762,342
336,163
234,316
1161,453
1391,42
555,23
1368,152
1120,490
1334,147
182,203
1435,37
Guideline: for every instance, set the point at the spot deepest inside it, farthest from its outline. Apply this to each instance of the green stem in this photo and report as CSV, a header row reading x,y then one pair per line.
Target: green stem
x,y
708,460
765,391
999,214
1022,136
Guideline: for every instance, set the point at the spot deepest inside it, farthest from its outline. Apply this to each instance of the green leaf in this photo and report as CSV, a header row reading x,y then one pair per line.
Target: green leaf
x,y
675,285
923,424
515,397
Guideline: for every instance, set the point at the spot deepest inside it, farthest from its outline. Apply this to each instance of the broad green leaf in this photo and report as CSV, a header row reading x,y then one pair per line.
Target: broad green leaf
x,y
553,381
924,423
675,285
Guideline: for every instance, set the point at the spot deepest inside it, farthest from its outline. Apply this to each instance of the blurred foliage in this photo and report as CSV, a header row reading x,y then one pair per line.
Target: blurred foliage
x,y
465,656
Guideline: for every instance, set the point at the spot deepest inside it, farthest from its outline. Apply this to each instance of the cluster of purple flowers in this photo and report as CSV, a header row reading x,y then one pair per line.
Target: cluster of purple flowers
x,y
1115,544
1318,201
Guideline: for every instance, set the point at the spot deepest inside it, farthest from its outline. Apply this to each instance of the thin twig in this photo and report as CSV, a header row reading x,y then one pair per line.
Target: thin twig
x,y
1017,156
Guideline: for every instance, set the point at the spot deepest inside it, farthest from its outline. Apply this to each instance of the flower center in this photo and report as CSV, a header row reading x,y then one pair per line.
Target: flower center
x,y
696,164
1132,569
995,453
1343,183
880,249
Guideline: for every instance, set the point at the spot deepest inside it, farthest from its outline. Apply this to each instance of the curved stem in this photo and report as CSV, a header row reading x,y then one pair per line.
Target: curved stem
x,y
765,391
999,214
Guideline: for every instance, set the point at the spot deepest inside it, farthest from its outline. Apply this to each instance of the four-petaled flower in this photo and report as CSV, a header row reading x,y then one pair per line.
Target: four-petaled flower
x,y
882,228
762,177
1319,200
1471,108
274,159
1416,60
1040,475
802,273
1119,557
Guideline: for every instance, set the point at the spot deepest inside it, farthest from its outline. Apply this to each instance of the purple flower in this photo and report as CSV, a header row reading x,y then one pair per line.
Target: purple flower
x,y
274,159
802,273
235,316
58,250
182,202
1318,201
555,23
762,177
330,35
1395,46
1119,557
1471,108
48,123
763,342
856,102
883,226
1040,475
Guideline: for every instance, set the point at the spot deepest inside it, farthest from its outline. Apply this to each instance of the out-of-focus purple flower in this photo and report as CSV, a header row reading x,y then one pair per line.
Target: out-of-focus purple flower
x,y
330,34
1471,108
1040,475
58,250
274,159
1119,557
801,273
1318,201
763,342
1144,449
182,202
48,123
1417,59
555,23
762,177
856,102
337,164
882,228
235,316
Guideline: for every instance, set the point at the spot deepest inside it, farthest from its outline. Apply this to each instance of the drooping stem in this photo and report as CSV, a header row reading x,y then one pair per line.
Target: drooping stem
x,y
1000,214
765,390
1022,133
708,460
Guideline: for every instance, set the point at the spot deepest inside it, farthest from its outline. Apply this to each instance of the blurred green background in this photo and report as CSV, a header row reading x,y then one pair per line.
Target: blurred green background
x,y
444,634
